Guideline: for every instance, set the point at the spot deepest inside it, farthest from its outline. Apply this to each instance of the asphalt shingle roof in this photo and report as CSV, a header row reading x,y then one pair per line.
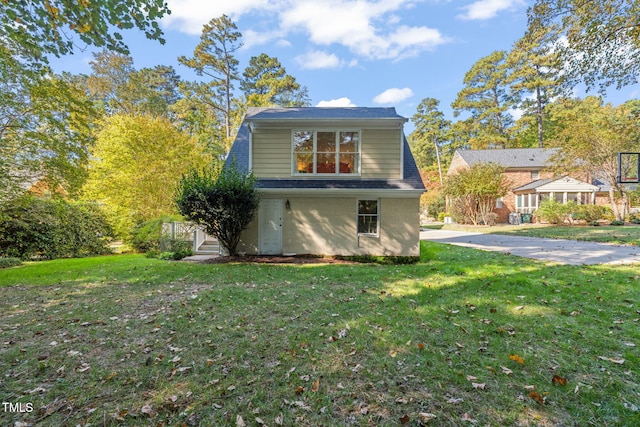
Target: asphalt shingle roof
x,y
511,157
322,113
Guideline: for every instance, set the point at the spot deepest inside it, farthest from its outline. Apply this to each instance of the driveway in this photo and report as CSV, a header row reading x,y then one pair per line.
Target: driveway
x,y
555,250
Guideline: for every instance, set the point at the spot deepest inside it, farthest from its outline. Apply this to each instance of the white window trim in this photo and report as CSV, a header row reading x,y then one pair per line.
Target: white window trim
x,y
358,153
378,214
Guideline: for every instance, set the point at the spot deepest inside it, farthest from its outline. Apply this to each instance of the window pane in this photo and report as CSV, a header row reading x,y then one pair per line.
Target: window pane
x,y
349,142
326,142
368,224
304,162
326,163
367,207
303,141
348,163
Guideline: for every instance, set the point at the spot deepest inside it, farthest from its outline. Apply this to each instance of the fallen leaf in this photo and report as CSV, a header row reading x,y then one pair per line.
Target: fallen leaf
x,y
467,417
517,358
421,347
240,422
147,409
612,360
279,420
425,417
393,353
316,386
471,378
506,370
402,400
405,419
478,386
259,421
454,401
537,397
299,389
520,307
557,380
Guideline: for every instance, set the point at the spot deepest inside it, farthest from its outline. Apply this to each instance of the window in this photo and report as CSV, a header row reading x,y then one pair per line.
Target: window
x,y
535,175
368,217
499,203
326,152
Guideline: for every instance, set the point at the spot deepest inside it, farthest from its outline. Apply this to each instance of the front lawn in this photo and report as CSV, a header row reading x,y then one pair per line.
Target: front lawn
x,y
619,235
464,337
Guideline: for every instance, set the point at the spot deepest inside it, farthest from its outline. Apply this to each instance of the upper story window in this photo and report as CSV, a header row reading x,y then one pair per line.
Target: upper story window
x,y
326,152
535,175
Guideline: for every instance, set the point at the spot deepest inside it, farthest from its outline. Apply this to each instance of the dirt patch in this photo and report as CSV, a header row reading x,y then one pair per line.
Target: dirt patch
x,y
276,259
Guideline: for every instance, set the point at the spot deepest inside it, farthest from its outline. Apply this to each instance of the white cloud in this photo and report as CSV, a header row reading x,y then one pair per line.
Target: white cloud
x,y
487,9
316,59
356,25
393,96
340,102
188,16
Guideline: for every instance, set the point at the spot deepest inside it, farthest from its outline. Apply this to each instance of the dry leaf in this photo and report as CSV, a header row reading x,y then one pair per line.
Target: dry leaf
x,y
421,347
612,360
393,353
240,422
506,370
520,307
402,400
471,378
425,417
557,380
537,397
279,420
517,358
299,389
316,386
405,419
259,421
467,417
478,386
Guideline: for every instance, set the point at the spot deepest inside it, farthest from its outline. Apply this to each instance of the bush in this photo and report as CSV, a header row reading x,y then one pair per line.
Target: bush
x,y
148,235
32,227
617,222
590,213
441,216
555,212
10,262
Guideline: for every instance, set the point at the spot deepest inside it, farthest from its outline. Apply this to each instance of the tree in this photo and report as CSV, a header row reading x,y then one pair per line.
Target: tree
x,y
430,133
474,192
224,206
44,130
589,136
536,76
121,88
136,165
487,98
602,38
266,83
35,29
214,58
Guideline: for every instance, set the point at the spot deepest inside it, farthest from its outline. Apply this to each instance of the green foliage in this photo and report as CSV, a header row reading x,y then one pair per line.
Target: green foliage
x,y
430,134
9,262
48,27
39,228
602,43
136,166
555,212
617,222
590,213
382,260
148,235
266,83
474,192
224,206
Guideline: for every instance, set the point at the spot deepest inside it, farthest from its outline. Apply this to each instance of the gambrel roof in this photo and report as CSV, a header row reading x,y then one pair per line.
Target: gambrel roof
x,y
411,179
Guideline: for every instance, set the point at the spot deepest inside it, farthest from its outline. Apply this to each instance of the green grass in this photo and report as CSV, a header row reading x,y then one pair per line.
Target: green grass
x,y
620,235
126,340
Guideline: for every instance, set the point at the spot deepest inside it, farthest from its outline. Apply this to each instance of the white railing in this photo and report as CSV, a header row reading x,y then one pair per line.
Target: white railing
x,y
187,231
199,237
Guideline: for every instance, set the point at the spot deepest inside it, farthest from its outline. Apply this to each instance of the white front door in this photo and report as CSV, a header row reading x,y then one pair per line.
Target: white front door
x,y
270,226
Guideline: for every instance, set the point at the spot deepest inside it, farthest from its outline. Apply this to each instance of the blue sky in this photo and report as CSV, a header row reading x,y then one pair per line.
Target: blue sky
x,y
349,52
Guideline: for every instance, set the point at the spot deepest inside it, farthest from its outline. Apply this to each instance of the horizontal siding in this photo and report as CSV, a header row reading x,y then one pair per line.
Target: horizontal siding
x,y
380,153
272,153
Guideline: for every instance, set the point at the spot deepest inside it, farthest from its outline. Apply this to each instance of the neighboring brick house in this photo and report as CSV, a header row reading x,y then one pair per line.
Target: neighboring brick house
x,y
531,182
333,181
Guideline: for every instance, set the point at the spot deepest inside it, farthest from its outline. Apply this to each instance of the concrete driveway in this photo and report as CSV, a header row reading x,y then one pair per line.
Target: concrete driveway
x,y
555,250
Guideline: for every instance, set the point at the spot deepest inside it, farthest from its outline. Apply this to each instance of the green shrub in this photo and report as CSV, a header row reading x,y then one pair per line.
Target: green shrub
x,y
555,212
617,222
441,216
590,213
10,262
32,227
148,235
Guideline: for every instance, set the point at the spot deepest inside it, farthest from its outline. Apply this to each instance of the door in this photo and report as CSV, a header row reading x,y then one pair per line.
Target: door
x,y
270,226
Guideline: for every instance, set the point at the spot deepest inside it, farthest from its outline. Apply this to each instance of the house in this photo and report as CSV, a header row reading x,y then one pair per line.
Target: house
x,y
531,182
333,181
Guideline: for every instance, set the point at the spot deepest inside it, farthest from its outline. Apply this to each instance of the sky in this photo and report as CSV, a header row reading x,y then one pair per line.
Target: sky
x,y
365,53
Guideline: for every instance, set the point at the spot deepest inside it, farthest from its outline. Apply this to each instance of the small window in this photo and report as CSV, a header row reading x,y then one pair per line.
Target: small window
x,y
535,175
499,203
368,217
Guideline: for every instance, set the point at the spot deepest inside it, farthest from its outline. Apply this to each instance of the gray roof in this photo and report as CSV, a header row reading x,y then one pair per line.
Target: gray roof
x,y
411,179
323,113
510,157
534,184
